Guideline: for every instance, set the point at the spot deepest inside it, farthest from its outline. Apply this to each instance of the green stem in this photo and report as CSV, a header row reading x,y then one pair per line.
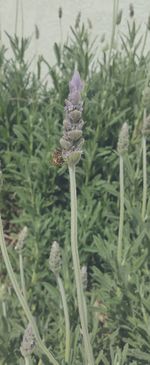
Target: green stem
x,y
144,43
120,234
76,264
115,11
16,16
4,309
22,275
21,298
67,321
27,361
40,362
22,20
144,175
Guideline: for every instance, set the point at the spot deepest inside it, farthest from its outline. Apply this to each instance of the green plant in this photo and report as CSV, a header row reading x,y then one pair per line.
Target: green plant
x,y
35,194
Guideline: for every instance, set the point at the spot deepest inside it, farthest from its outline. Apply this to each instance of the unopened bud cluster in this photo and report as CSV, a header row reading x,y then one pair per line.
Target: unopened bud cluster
x,y
146,126
123,141
131,10
28,343
60,12
72,140
21,238
148,23
55,258
119,17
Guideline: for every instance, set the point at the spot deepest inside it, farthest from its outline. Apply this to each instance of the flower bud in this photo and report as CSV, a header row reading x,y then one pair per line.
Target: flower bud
x,y
75,134
55,258
148,23
119,17
66,124
75,115
73,158
78,18
28,343
21,238
65,144
80,144
123,141
37,32
60,12
131,10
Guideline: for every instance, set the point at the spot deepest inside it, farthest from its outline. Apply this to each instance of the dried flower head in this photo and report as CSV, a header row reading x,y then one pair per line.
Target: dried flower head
x,y
37,32
60,12
84,276
72,140
28,343
55,258
148,23
146,126
89,23
131,10
123,141
119,17
21,238
78,18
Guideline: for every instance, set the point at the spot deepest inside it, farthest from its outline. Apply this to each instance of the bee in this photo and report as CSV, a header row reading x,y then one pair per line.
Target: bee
x,y
57,158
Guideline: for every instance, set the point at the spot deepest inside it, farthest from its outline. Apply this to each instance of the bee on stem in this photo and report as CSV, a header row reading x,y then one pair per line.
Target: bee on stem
x,y
57,158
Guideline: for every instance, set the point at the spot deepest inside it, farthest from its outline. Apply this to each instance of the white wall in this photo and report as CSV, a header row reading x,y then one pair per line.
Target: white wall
x,y
44,13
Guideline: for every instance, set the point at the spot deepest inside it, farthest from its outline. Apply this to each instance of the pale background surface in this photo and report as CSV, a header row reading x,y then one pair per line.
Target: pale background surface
x,y
44,13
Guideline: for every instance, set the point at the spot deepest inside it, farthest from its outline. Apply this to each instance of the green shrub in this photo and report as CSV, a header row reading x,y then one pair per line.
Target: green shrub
x,y
35,193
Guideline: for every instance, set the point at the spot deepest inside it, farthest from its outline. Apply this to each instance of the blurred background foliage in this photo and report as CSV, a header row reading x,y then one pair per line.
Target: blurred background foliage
x,y
35,193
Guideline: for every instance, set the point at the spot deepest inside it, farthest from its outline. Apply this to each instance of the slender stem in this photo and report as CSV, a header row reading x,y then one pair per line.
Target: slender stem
x,y
22,275
67,321
85,309
120,234
21,298
76,264
40,362
27,361
144,179
22,20
4,308
61,36
115,10
144,43
16,17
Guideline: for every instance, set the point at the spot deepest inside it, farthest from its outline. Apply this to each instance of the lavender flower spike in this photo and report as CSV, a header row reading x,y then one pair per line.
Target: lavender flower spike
x,y
72,140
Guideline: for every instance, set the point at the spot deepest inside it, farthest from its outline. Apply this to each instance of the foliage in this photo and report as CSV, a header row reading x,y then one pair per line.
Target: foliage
x,y
35,193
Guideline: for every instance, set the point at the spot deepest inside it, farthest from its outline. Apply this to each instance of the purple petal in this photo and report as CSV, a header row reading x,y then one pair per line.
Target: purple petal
x,y
75,84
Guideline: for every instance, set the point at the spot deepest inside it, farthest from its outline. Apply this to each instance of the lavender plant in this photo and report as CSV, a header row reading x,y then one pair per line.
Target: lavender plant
x,y
71,144
35,193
